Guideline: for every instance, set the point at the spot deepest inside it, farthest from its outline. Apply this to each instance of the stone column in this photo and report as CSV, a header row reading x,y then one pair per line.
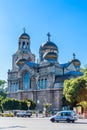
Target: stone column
x,y
51,79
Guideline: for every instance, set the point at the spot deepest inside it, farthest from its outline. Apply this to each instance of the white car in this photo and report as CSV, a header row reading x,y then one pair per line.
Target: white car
x,y
66,115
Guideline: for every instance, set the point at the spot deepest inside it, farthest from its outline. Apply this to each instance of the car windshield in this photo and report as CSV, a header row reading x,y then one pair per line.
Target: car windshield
x,y
22,112
66,113
58,114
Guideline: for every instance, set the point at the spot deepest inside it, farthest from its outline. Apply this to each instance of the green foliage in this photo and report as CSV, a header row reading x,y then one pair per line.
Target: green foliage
x,y
3,85
23,105
14,104
83,104
65,102
84,70
10,104
0,103
3,95
75,90
47,105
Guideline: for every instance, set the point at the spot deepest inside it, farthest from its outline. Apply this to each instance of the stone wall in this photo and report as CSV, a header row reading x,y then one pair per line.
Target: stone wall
x,y
41,97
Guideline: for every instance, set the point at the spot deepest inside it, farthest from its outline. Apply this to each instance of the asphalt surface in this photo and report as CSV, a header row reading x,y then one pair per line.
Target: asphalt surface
x,y
39,123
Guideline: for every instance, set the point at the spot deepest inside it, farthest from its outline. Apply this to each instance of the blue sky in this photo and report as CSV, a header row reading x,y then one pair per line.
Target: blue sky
x,y
66,20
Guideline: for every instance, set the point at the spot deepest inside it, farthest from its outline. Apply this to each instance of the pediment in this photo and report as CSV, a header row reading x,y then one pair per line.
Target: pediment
x,y
71,67
27,68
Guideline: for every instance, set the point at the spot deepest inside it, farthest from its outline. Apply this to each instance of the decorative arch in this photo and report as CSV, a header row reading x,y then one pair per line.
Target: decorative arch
x,y
43,83
26,80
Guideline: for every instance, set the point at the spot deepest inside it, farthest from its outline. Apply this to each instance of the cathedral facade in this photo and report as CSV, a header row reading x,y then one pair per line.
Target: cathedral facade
x,y
40,81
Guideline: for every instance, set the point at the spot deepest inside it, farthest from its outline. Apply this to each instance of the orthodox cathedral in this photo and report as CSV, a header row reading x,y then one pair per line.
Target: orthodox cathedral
x,y
41,81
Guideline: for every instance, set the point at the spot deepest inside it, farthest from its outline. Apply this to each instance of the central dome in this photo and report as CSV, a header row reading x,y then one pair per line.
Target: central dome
x,y
50,56
48,50
49,45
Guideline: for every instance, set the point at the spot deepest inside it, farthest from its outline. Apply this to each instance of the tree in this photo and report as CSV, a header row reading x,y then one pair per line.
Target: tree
x,y
65,102
14,104
23,105
83,104
75,90
84,70
46,106
10,104
3,95
3,85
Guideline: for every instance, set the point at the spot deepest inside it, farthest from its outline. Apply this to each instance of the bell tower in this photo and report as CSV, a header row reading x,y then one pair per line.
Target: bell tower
x,y
24,42
24,51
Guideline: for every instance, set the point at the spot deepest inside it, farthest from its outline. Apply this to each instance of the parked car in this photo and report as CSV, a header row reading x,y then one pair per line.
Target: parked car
x,y
8,114
66,115
24,114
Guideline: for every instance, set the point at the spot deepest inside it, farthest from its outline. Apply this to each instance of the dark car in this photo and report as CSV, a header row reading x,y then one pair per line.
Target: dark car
x,y
24,114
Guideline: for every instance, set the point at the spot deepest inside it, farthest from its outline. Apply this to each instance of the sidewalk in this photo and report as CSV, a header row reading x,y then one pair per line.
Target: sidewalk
x,y
81,116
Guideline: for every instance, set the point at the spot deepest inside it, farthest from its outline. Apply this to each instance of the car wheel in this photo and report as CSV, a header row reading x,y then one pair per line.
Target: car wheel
x,y
68,120
52,119
73,121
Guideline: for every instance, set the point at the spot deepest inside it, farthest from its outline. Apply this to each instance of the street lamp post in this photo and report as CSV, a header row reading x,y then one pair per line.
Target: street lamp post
x,y
28,104
36,95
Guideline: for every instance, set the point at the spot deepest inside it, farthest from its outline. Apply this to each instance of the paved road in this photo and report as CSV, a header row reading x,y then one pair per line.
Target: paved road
x,y
8,123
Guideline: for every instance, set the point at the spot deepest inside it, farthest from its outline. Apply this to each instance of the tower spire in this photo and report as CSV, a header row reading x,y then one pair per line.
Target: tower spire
x,y
24,29
74,55
48,36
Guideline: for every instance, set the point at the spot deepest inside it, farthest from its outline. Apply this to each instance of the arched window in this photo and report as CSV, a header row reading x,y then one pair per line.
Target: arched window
x,y
16,86
26,81
43,84
46,83
27,45
11,87
39,84
24,45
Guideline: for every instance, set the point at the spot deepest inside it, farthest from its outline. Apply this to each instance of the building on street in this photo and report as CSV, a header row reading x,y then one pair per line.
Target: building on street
x,y
40,81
